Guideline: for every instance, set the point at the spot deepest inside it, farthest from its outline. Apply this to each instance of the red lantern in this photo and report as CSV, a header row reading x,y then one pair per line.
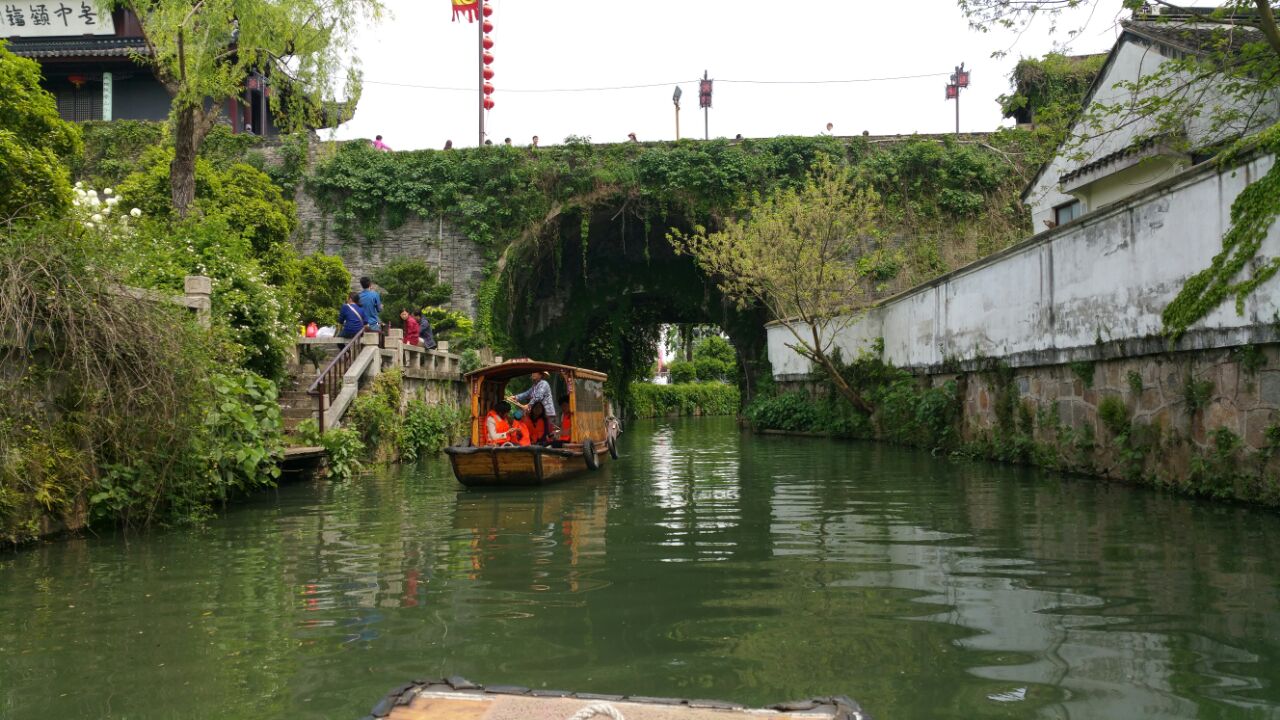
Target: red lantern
x,y
953,92
488,88
488,26
488,58
488,103
487,42
488,73
488,10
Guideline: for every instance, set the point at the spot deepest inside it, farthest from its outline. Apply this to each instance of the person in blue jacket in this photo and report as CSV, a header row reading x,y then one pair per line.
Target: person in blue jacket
x,y
350,317
370,305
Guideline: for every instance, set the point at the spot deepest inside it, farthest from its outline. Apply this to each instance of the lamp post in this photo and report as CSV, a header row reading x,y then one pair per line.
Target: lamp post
x,y
959,81
675,99
704,100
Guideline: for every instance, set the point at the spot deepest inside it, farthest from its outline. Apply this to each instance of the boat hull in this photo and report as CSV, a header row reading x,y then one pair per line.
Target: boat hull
x,y
520,466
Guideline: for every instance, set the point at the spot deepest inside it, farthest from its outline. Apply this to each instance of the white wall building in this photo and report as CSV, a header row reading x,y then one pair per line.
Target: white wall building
x,y
1093,285
1099,167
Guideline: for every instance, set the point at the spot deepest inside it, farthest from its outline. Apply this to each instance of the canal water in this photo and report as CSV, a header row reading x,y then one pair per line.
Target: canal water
x,y
707,563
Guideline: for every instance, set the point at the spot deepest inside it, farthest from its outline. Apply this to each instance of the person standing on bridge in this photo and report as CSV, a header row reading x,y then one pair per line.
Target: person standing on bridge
x,y
539,394
370,304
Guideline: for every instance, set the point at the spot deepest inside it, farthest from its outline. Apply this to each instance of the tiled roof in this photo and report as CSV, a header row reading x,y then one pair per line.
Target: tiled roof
x,y
77,47
1195,38
1134,149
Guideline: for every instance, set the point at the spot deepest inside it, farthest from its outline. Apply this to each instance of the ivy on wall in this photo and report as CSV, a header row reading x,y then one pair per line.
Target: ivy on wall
x,y
1229,275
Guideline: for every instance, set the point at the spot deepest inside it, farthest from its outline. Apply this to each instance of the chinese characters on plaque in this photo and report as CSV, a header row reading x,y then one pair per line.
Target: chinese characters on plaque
x,y
54,19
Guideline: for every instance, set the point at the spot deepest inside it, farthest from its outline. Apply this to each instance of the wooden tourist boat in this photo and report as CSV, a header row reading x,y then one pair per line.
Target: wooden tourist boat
x,y
458,699
592,440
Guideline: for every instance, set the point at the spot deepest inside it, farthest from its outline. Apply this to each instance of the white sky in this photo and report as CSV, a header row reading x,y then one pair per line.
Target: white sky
x,y
603,43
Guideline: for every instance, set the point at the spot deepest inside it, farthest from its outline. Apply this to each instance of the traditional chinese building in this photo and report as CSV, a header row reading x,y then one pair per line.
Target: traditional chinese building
x,y
94,65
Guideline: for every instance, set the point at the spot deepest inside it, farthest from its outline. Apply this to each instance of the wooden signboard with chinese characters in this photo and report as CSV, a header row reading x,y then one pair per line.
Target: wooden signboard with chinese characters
x,y
54,19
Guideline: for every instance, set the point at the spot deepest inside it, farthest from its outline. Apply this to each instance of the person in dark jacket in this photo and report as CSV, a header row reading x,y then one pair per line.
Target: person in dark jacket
x,y
425,334
350,317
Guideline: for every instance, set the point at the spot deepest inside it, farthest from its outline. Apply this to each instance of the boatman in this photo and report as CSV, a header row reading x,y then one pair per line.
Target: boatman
x,y
539,394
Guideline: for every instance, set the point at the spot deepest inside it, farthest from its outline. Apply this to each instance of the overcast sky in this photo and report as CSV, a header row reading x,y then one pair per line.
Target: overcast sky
x,y
545,44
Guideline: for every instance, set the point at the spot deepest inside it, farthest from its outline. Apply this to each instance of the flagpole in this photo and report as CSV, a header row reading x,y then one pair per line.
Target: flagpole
x,y
480,64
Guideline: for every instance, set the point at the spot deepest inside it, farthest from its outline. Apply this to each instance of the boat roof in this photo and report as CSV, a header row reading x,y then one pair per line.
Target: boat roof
x,y
459,698
524,366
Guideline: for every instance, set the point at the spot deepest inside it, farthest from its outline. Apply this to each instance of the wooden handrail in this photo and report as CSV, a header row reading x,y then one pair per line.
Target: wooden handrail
x,y
329,381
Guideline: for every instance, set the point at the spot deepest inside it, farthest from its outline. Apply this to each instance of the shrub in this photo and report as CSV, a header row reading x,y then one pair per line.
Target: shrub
x,y
1114,415
428,429
113,149
343,448
470,361
243,435
320,289
682,372
650,400
411,284
35,144
136,432
792,412
452,326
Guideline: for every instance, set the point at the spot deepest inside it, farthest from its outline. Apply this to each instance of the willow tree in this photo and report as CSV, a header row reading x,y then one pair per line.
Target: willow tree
x,y
796,254
1228,78
203,52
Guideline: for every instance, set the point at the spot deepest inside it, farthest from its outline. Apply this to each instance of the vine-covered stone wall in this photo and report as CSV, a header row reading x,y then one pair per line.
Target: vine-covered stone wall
x,y
568,256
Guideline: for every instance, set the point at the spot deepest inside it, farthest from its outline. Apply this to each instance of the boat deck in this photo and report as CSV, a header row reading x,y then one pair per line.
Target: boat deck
x,y
457,699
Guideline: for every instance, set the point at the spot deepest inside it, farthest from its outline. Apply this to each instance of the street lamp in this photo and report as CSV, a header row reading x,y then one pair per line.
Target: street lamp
x,y
959,81
675,99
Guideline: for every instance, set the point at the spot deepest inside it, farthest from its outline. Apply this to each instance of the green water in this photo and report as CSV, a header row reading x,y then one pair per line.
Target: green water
x,y
707,563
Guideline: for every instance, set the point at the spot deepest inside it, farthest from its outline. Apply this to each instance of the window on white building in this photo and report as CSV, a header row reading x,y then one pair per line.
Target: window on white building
x,y
1064,214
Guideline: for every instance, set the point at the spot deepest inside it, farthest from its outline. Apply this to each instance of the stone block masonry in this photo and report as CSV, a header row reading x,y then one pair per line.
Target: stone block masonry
x,y
1203,421
433,240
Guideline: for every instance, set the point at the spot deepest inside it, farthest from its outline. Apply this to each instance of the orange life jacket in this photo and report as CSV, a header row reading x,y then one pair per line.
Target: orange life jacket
x,y
533,429
499,425
566,426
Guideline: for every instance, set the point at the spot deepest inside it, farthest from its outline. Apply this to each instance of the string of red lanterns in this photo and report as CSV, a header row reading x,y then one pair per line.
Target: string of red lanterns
x,y
486,42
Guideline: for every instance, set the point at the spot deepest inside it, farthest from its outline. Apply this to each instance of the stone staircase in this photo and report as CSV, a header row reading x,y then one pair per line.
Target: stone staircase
x,y
433,376
295,404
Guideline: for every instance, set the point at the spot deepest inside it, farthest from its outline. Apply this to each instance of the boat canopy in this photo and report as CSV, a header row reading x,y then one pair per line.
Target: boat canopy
x,y
524,366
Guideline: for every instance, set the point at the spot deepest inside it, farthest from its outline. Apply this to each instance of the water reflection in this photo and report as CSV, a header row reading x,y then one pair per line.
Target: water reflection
x,y
706,563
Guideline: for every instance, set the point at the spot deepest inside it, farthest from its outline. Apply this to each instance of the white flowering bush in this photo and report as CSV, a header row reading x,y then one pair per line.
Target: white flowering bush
x,y
101,212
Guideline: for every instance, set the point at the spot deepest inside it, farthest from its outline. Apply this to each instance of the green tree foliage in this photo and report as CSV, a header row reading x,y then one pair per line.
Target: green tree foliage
x,y
244,196
714,360
254,321
682,372
1051,91
203,52
797,255
320,289
35,144
411,284
455,327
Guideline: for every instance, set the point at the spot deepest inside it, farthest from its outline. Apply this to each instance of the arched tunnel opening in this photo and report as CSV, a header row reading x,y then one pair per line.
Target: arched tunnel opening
x,y
595,288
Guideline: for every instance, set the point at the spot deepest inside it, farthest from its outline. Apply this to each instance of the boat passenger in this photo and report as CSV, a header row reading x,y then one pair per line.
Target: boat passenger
x,y
539,394
566,420
497,429
536,424
521,432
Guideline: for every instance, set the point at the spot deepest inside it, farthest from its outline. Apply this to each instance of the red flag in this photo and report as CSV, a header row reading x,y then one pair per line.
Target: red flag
x,y
470,9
